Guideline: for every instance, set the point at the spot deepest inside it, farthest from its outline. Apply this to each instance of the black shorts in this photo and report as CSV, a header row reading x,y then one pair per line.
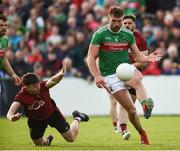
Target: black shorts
x,y
56,120
132,91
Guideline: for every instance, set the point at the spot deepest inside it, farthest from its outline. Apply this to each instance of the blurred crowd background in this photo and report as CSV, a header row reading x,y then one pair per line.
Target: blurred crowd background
x,y
43,33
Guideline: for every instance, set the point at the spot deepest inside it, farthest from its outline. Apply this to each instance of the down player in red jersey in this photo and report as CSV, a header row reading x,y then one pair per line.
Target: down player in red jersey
x,y
137,89
42,111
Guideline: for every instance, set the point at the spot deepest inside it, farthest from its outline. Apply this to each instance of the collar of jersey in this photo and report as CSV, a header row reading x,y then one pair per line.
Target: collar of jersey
x,y
113,31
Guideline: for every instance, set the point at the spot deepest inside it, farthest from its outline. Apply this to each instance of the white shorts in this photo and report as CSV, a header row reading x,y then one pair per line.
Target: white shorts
x,y
114,84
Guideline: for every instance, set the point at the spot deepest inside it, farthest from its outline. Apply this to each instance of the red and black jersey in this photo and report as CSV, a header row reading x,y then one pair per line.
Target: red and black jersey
x,y
140,42
37,107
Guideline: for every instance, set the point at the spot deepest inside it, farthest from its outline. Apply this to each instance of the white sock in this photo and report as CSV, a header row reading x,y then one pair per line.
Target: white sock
x,y
77,118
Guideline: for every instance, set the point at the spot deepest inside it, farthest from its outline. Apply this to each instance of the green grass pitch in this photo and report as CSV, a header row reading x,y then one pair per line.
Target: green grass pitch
x,y
97,134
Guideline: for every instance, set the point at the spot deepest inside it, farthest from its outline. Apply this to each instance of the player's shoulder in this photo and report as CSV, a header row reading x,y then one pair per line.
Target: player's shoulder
x,y
138,33
21,94
4,39
127,31
102,29
43,84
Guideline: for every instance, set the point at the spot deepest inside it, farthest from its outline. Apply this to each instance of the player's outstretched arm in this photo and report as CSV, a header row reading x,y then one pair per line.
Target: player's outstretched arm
x,y
139,57
6,65
139,65
12,114
56,78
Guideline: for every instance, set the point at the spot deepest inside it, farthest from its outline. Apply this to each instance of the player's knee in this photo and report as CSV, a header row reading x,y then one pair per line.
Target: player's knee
x,y
113,101
113,104
121,107
38,143
136,83
132,111
70,139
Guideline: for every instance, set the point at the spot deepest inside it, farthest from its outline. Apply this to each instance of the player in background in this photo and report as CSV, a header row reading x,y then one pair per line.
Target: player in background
x,y
4,63
42,111
137,89
111,44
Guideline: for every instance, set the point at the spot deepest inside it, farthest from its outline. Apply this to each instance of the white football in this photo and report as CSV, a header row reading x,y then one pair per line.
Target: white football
x,y
125,71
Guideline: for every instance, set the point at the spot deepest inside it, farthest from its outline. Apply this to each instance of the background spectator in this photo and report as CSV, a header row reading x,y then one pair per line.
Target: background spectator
x,y
44,33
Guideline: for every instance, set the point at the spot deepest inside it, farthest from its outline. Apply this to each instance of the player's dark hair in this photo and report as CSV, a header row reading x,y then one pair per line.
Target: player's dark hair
x,y
130,16
30,78
3,17
116,11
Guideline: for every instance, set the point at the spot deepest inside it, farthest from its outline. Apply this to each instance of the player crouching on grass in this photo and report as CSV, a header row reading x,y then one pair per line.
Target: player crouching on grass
x,y
42,111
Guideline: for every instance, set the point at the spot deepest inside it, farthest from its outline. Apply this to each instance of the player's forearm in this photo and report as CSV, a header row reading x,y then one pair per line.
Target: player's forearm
x,y
139,65
141,58
6,65
57,78
10,114
91,61
138,56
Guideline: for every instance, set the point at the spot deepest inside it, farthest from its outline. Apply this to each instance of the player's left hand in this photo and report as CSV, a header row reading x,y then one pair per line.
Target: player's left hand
x,y
155,56
63,70
100,83
16,79
16,116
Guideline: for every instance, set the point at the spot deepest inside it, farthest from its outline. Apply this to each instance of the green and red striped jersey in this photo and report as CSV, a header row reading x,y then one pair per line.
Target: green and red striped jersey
x,y
113,48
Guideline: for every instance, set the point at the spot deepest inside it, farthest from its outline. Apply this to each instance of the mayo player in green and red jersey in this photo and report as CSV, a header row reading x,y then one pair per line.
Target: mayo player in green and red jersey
x,y
137,89
4,63
111,44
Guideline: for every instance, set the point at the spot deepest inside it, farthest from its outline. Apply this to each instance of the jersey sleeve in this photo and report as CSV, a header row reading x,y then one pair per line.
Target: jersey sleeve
x,y
96,39
140,41
43,85
143,44
18,98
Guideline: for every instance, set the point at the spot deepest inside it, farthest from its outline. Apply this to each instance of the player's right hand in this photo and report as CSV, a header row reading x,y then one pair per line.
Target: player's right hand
x,y
155,56
100,83
16,116
63,70
16,79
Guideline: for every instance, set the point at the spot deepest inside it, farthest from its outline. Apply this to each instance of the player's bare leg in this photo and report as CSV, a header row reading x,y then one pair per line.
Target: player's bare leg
x,y
71,134
122,121
124,98
113,112
146,102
